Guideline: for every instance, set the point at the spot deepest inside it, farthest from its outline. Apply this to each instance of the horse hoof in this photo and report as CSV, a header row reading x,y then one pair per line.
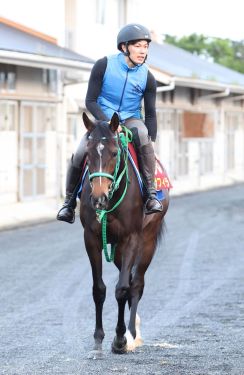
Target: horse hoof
x,y
119,345
95,354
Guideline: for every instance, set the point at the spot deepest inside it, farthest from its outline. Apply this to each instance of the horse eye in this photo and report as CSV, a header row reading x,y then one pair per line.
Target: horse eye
x,y
114,154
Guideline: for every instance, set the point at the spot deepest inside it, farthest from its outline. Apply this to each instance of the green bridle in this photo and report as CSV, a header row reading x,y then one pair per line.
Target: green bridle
x,y
114,186
125,137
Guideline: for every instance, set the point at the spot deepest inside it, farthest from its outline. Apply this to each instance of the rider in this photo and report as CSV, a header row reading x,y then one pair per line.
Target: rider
x,y
118,83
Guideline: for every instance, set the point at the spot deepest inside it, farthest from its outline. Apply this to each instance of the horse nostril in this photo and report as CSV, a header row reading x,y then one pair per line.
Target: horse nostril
x,y
99,203
105,197
103,200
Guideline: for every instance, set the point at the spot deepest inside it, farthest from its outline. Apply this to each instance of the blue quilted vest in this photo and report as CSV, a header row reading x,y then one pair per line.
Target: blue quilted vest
x,y
122,88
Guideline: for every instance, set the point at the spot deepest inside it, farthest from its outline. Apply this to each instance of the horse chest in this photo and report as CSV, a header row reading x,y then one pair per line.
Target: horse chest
x,y
115,227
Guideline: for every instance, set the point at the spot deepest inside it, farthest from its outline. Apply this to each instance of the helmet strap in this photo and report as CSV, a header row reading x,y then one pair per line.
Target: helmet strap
x,y
127,52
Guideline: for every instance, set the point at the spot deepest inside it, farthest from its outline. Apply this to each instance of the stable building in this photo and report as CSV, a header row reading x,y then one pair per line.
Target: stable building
x,y
200,107
200,110
36,115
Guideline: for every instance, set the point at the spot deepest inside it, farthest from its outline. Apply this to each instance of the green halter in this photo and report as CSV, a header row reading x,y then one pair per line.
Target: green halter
x,y
125,138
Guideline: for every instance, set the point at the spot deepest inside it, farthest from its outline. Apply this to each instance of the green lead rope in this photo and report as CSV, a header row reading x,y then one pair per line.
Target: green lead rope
x,y
125,138
109,258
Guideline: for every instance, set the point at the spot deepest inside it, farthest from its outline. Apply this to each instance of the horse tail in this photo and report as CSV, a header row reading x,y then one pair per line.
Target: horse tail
x,y
153,233
161,228
160,233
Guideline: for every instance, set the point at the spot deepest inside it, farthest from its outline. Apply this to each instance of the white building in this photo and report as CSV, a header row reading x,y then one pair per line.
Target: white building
x,y
34,112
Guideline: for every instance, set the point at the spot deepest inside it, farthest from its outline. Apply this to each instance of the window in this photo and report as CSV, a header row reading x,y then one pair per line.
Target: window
x,y
7,78
8,115
49,79
2,81
10,82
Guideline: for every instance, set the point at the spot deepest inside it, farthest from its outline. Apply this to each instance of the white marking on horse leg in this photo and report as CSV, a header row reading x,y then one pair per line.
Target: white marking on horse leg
x,y
138,339
130,341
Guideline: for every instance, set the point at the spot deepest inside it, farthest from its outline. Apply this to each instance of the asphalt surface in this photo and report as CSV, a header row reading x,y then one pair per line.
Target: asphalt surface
x,y
192,310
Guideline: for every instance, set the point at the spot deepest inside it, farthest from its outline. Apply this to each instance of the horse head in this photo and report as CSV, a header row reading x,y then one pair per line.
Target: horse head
x,y
102,158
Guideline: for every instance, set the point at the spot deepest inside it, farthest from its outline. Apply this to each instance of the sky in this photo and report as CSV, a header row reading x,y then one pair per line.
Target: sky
x,y
217,18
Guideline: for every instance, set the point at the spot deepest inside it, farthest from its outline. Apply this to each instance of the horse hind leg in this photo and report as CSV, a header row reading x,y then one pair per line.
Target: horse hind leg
x,y
138,339
133,343
151,231
129,248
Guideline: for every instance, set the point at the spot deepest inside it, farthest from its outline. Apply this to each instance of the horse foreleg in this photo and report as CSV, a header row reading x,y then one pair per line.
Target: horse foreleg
x,y
128,250
99,295
99,289
121,294
119,342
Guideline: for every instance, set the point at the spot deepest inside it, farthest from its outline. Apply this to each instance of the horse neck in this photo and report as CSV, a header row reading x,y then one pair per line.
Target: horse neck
x,y
122,166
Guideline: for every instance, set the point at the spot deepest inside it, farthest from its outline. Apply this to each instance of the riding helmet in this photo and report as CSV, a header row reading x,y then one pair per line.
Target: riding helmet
x,y
131,32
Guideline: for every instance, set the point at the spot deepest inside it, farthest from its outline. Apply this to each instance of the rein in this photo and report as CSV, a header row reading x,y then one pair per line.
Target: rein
x,y
125,138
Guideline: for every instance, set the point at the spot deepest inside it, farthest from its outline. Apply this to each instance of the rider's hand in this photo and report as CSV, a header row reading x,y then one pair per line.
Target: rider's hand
x,y
119,129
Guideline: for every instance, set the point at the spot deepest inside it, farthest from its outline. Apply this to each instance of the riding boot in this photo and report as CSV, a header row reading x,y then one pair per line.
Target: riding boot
x,y
67,211
146,159
73,181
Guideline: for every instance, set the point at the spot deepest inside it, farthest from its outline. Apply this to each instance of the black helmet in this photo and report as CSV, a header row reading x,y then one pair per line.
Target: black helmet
x,y
132,31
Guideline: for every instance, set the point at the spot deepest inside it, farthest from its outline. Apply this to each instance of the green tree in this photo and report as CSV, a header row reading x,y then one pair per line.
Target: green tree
x,y
222,51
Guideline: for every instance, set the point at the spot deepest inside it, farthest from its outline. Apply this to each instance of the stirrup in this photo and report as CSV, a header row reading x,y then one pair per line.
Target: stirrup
x,y
68,216
156,206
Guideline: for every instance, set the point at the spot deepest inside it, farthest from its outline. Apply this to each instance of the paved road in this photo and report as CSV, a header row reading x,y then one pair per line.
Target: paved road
x,y
192,310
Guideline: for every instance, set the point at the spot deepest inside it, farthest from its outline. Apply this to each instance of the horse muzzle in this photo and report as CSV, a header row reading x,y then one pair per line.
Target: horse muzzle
x,y
99,203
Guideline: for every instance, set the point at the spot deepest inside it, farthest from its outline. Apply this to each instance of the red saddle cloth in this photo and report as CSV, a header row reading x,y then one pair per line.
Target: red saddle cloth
x,y
162,180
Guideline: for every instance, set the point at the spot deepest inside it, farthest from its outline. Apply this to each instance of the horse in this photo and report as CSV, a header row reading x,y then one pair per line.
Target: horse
x,y
110,189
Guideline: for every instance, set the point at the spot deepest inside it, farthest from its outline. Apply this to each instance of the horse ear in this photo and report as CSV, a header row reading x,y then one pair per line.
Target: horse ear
x,y
88,123
114,122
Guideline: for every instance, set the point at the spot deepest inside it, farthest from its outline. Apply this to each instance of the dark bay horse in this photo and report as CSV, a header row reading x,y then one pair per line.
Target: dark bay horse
x,y
111,190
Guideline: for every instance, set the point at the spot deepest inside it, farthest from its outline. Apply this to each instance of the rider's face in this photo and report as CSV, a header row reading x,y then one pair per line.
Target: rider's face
x,y
138,52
